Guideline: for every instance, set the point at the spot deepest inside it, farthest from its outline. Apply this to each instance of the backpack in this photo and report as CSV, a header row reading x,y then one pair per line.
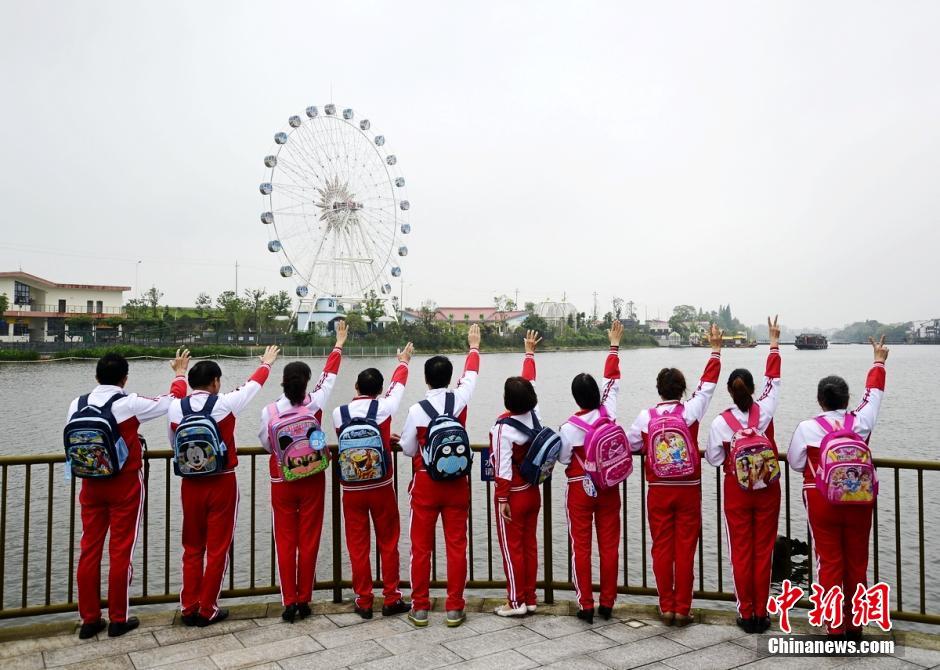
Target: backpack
x,y
94,448
298,444
752,458
544,449
670,451
446,452
198,449
607,457
846,474
362,453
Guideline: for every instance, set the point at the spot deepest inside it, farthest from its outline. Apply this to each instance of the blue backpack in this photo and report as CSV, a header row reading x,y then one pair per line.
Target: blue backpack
x,y
446,452
198,449
362,455
544,449
94,448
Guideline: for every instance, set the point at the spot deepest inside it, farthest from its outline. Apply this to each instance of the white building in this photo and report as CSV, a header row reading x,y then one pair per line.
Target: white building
x,y
658,328
928,329
557,314
320,315
38,308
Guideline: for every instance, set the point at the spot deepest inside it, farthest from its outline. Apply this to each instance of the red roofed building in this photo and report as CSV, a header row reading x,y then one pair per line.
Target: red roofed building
x,y
485,315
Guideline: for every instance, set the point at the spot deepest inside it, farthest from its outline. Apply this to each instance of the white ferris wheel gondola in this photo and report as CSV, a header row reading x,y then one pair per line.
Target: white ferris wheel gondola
x,y
335,206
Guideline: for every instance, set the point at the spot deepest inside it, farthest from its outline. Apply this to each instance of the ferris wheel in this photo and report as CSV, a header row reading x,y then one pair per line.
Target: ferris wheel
x,y
335,206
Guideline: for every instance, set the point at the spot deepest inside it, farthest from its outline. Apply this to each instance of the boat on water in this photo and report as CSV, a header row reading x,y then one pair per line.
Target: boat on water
x,y
811,341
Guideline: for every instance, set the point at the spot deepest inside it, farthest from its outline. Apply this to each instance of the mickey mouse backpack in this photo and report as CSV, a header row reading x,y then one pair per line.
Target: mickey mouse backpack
x,y
298,444
446,452
198,449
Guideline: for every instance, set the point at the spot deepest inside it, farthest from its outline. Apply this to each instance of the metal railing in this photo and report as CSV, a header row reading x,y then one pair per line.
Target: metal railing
x,y
33,491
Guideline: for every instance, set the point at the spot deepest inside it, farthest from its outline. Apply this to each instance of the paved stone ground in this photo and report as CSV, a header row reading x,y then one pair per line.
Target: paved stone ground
x,y
254,637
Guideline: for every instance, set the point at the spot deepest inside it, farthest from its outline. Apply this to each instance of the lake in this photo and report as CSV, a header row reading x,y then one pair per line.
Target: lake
x,y
36,396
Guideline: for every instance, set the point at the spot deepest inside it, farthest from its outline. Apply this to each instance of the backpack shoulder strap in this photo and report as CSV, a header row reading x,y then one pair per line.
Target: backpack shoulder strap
x,y
111,401
344,416
449,403
373,411
753,416
849,423
536,424
273,413
602,410
678,410
429,409
186,406
82,402
518,425
826,426
209,406
576,420
732,420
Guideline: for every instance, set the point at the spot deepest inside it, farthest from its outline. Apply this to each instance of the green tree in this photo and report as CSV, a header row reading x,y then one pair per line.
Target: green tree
x,y
279,304
152,298
682,318
357,325
4,302
234,310
374,308
203,305
254,301
136,308
535,322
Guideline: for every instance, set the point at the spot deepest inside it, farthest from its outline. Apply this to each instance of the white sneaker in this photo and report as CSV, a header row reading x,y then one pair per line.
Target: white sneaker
x,y
509,610
530,609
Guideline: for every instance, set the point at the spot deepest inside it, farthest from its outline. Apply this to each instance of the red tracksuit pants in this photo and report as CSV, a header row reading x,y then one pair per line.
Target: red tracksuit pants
x,y
450,501
297,514
675,518
840,534
519,545
210,511
751,527
108,505
381,505
603,512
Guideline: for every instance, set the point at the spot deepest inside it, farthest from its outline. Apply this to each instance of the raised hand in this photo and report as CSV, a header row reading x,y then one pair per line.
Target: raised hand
x,y
531,341
881,351
270,354
615,333
473,337
404,355
342,332
774,331
715,337
181,363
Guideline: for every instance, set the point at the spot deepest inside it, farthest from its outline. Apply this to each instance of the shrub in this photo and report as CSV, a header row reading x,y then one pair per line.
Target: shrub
x,y
18,355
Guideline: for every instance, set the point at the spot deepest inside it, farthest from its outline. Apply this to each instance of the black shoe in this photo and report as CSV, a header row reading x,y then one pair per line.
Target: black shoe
x,y
586,615
190,619
762,624
747,625
89,630
289,613
854,635
221,615
303,610
363,612
398,608
118,628
605,612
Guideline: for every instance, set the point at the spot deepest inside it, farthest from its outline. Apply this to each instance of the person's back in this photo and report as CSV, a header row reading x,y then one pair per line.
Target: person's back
x,y
112,504
449,499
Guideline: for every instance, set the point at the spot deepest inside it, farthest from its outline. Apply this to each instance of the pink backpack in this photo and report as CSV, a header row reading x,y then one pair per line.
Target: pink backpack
x,y
670,451
846,474
298,444
607,457
752,458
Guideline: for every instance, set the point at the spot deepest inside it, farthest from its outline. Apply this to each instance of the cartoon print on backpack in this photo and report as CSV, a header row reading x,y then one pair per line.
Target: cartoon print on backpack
x,y
453,458
300,447
198,459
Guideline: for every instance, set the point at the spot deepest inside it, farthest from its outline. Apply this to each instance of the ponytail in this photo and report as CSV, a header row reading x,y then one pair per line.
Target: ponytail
x,y
296,377
741,388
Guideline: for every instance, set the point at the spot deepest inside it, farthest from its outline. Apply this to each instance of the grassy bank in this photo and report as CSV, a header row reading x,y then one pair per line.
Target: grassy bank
x,y
137,351
18,355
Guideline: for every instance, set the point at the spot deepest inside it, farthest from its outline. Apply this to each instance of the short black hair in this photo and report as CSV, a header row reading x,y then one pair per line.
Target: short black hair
x,y
585,391
832,393
204,373
438,371
111,369
369,382
519,395
670,384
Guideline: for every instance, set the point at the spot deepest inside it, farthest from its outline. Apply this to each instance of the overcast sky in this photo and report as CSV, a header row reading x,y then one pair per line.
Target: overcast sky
x,y
777,156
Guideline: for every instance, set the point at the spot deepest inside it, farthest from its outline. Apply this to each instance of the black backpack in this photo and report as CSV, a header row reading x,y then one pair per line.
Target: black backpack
x,y
544,449
446,452
94,448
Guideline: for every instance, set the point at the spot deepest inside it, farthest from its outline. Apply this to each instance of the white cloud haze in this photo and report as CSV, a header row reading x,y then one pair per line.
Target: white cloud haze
x,y
777,156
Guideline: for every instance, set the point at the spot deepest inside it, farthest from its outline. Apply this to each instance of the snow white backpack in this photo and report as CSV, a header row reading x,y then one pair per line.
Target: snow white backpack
x,y
94,448
198,448
670,451
752,457
846,474
446,452
607,456
544,449
362,454
298,444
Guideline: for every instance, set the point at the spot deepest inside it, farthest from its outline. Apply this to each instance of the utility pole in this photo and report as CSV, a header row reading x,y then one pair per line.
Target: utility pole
x,y
517,299
594,315
236,279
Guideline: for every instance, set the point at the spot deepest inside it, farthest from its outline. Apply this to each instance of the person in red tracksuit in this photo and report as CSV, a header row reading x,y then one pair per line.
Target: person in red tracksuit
x,y
375,498
584,503
297,506
517,501
210,504
114,505
750,516
430,499
674,506
840,533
